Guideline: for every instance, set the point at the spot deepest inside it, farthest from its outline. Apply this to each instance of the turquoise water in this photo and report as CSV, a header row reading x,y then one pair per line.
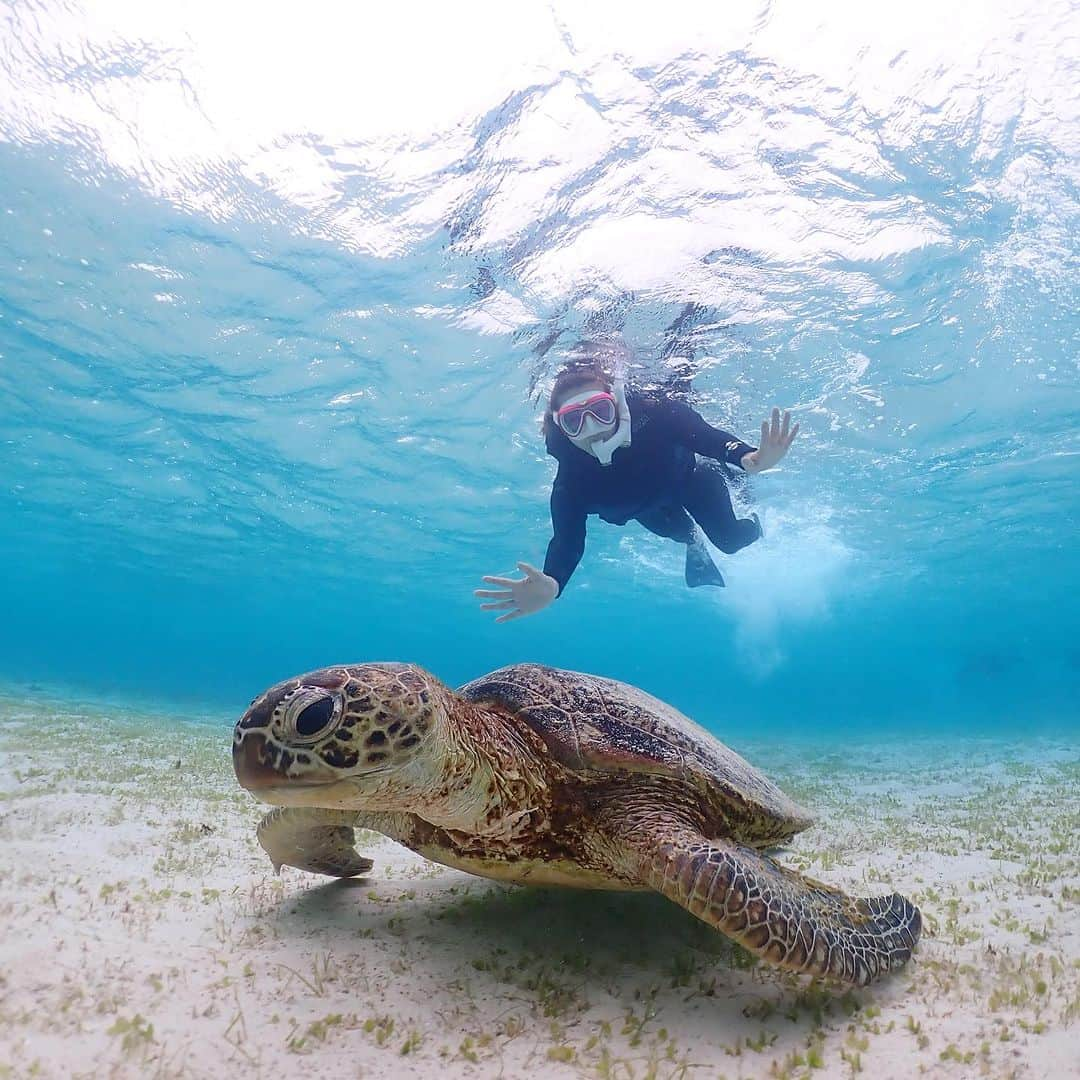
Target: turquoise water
x,y
279,304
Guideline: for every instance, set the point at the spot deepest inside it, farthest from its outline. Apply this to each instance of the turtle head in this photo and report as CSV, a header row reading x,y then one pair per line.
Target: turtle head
x,y
339,736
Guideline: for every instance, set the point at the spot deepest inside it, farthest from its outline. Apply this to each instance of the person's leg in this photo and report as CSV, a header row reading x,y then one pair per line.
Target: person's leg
x,y
669,521
706,496
674,523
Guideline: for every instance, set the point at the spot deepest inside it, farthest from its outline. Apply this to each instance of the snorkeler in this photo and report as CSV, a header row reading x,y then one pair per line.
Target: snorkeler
x,y
654,477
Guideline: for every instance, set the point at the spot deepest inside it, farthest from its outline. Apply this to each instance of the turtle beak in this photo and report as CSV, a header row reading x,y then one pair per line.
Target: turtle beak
x,y
259,762
253,763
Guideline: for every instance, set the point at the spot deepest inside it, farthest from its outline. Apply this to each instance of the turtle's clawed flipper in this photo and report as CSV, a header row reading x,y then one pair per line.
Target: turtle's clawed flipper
x,y
784,918
309,838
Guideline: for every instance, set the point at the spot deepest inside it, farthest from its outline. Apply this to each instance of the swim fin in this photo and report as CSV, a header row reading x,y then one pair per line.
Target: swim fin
x,y
700,569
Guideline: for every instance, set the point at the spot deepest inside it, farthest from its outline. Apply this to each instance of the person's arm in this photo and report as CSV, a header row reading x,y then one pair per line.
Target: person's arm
x,y
568,534
538,588
692,430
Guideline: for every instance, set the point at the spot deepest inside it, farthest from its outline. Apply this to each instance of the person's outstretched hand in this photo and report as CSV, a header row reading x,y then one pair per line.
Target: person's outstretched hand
x,y
519,596
776,438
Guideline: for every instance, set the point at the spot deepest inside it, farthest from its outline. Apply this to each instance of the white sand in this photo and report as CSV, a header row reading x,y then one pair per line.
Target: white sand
x,y
145,934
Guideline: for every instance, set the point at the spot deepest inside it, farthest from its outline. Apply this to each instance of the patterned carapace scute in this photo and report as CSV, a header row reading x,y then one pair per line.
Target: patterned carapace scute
x,y
593,723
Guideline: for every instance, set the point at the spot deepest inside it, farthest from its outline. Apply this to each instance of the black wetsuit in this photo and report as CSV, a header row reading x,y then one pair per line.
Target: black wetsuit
x,y
655,480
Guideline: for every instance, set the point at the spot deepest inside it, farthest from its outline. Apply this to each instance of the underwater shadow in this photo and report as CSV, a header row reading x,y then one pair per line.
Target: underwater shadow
x,y
592,942
616,926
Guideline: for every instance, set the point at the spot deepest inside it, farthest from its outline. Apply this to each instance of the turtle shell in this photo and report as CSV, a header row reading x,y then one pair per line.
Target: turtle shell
x,y
593,724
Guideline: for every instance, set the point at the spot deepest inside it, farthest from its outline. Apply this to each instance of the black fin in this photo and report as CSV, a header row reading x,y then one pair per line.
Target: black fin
x,y
700,569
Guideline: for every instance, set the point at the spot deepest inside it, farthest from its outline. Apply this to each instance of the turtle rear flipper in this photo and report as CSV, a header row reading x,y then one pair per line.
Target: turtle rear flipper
x,y
783,917
313,839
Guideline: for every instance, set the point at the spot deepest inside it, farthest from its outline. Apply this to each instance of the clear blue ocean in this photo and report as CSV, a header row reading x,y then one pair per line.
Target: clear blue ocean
x,y
282,295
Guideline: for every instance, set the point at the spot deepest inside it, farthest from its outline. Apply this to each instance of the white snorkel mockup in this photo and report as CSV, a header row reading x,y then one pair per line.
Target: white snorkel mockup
x,y
603,451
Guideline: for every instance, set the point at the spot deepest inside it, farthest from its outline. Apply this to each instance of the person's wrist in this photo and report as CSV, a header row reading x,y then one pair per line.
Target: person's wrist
x,y
749,461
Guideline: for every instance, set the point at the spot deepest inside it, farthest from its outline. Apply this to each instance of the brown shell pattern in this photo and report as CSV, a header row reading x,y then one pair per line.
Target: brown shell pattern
x,y
595,724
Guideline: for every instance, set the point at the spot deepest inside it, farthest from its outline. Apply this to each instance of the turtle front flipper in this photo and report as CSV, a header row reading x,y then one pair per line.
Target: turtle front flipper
x,y
783,917
313,839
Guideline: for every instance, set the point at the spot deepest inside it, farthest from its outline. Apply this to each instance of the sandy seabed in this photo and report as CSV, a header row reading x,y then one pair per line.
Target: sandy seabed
x,y
146,935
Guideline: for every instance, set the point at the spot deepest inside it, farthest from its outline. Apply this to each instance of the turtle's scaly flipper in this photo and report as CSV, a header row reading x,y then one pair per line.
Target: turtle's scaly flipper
x,y
313,839
786,919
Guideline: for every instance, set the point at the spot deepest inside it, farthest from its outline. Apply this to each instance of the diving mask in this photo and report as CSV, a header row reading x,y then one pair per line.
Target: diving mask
x,y
586,417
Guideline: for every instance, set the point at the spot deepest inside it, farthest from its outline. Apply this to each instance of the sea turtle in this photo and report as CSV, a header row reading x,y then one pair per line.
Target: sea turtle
x,y
541,776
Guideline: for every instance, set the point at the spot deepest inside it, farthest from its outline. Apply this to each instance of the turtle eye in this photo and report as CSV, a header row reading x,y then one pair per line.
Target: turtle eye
x,y
311,714
314,717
